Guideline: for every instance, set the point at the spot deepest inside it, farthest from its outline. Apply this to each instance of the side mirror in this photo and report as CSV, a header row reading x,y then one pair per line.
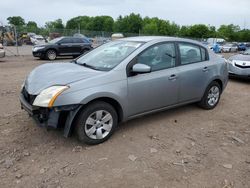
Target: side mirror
x,y
141,68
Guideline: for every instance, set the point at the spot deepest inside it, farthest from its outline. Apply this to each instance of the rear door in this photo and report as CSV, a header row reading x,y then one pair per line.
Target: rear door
x,y
78,45
156,89
194,70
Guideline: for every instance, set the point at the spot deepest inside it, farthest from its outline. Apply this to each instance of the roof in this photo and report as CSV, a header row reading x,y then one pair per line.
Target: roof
x,y
145,38
159,38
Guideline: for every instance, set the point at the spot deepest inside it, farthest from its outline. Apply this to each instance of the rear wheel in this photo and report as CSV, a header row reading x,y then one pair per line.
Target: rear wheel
x,y
211,97
96,123
51,54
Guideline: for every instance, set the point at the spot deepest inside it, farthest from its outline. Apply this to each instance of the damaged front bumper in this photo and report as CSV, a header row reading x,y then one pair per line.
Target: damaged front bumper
x,y
51,117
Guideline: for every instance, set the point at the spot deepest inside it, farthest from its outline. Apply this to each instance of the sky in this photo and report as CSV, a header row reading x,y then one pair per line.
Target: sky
x,y
182,12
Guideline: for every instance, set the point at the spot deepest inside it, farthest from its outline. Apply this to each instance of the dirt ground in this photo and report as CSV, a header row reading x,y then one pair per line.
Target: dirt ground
x,y
182,148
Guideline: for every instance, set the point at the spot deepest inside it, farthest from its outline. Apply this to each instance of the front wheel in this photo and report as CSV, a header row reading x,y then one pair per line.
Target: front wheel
x,y
211,97
96,123
51,55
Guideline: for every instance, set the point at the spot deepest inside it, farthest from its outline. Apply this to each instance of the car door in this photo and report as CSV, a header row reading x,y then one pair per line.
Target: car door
x,y
78,46
65,46
156,89
194,69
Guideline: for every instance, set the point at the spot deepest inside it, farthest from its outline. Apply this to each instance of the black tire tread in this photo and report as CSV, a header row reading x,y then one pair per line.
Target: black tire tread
x,y
203,103
83,115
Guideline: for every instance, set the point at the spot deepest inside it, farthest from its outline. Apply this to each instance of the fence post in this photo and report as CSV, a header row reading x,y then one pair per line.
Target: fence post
x,y
16,40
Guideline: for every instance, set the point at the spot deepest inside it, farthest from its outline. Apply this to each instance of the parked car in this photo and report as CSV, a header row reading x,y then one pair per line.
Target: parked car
x,y
63,46
239,65
37,40
242,47
229,47
95,92
2,51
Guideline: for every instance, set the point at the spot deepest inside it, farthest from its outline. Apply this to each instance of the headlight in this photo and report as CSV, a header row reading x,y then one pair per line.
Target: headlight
x,y
48,96
37,48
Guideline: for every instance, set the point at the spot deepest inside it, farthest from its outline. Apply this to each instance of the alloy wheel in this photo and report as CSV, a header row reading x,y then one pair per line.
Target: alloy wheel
x,y
99,124
213,95
51,55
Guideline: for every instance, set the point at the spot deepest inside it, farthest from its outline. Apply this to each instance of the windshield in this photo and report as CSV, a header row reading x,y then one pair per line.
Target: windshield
x,y
109,55
55,40
247,52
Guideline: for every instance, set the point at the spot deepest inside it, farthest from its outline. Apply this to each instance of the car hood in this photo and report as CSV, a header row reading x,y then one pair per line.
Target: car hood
x,y
52,74
240,57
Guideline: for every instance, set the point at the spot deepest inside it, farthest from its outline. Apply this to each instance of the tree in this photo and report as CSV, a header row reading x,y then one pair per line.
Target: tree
x,y
150,29
57,24
75,22
31,25
129,24
108,24
16,20
184,31
228,32
199,31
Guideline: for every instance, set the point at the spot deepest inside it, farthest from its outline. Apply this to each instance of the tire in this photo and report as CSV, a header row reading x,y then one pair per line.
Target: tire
x,y
90,128
51,55
211,97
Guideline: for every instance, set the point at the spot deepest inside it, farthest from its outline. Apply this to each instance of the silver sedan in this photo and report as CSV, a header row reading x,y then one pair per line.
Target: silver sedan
x,y
121,80
239,65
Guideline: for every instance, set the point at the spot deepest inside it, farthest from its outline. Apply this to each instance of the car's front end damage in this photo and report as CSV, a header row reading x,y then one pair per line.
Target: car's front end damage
x,y
50,117
45,94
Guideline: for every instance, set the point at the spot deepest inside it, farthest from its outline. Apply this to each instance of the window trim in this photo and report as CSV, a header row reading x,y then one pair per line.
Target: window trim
x,y
134,60
193,44
71,42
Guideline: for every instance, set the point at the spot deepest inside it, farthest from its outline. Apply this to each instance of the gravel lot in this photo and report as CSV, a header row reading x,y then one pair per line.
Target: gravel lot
x,y
185,147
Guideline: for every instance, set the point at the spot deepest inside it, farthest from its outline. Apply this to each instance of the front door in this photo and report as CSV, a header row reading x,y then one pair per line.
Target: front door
x,y
66,46
156,89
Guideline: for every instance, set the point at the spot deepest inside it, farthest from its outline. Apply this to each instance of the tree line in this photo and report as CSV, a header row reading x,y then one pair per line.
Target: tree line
x,y
136,24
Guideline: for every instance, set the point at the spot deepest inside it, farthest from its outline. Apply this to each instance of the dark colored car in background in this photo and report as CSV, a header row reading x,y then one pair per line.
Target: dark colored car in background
x,y
62,46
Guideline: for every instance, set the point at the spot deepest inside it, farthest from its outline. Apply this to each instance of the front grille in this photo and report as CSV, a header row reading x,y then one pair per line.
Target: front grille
x,y
243,67
29,98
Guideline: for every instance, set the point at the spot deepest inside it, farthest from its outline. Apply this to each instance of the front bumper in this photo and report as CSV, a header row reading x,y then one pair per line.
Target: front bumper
x,y
44,117
38,54
56,117
238,71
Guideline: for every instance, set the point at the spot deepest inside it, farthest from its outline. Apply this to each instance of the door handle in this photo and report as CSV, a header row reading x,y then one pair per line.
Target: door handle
x,y
172,77
205,69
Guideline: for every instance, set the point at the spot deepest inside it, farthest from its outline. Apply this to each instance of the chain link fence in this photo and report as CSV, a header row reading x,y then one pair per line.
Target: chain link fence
x,y
18,40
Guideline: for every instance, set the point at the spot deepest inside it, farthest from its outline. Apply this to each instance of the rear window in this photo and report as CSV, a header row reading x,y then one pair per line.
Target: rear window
x,y
80,40
66,40
191,53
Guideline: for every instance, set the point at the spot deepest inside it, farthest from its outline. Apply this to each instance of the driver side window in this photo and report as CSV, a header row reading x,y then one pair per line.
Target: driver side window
x,y
159,57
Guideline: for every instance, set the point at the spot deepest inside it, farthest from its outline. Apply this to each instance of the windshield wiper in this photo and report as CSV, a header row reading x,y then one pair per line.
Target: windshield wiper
x,y
89,66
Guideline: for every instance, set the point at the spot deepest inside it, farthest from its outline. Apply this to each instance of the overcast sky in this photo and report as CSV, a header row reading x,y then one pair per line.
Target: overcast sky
x,y
183,12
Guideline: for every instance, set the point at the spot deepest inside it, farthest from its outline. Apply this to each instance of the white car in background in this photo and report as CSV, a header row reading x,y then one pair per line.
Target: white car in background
x,y
229,47
2,52
239,65
37,39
